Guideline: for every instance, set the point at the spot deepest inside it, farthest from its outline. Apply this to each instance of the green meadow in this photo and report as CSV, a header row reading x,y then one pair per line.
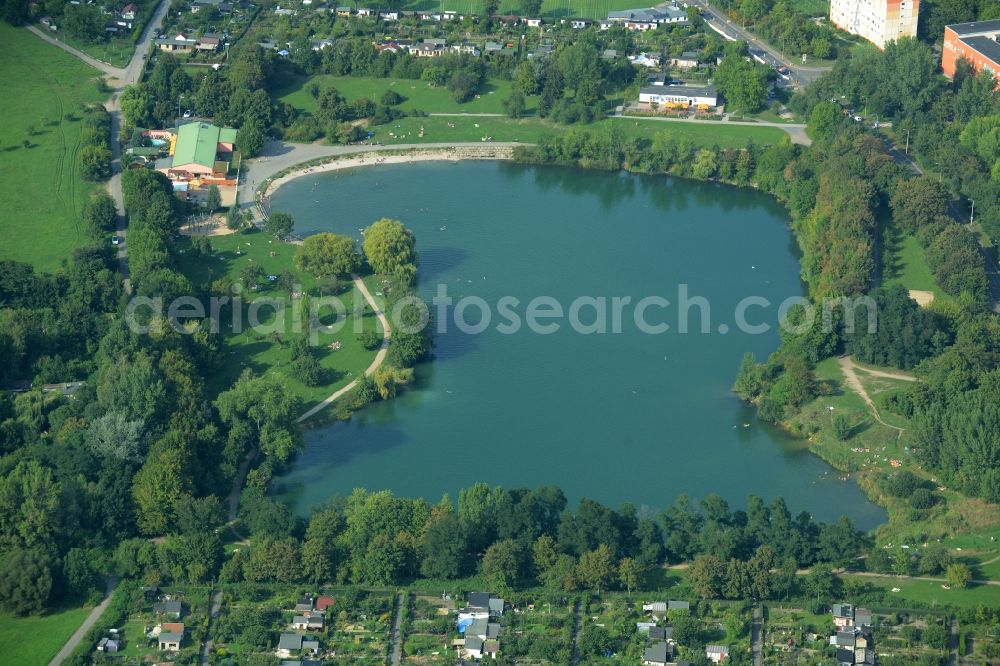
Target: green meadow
x,y
417,95
40,186
37,638
264,351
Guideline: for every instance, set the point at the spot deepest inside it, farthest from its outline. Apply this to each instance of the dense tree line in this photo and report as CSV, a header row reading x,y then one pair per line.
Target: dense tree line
x,y
95,146
512,537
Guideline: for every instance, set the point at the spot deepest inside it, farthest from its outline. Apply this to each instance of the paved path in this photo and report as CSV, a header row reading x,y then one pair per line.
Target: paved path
x,y
469,115
396,637
796,131
206,648
379,357
82,630
870,574
953,642
577,630
755,635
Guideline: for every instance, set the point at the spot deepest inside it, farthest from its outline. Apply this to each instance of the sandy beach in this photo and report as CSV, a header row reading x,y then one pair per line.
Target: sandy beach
x,y
376,158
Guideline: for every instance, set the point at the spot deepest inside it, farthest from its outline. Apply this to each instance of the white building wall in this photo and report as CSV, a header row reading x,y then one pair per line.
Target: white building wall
x,y
878,21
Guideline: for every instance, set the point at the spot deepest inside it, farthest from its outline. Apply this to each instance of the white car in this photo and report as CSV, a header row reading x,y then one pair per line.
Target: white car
x,y
115,240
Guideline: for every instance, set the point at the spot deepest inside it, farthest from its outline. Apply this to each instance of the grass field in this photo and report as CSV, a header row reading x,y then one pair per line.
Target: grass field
x,y
40,186
263,352
531,130
932,594
907,266
36,639
419,95
116,52
878,443
812,7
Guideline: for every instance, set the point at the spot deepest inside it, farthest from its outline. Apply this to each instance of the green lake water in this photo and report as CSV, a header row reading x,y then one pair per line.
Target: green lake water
x,y
628,416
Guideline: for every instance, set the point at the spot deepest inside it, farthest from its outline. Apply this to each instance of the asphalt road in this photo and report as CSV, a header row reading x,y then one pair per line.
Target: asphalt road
x,y
131,74
82,630
801,74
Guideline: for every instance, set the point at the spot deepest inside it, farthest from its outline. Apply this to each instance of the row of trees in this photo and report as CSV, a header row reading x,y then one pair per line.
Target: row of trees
x,y
95,147
513,538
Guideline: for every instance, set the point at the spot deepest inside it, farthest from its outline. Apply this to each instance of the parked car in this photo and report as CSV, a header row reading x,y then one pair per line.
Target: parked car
x,y
115,240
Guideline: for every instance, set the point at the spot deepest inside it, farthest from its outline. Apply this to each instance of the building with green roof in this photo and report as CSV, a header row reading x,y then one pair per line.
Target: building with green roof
x,y
201,150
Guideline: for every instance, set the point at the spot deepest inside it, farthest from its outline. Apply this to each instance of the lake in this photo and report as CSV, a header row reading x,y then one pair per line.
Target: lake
x,y
629,414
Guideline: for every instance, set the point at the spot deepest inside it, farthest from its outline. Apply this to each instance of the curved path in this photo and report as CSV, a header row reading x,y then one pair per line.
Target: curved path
x,y
383,350
82,630
848,367
279,156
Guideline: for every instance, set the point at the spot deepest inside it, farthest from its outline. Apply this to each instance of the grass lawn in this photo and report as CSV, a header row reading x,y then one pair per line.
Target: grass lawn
x,y
933,594
871,444
530,130
724,136
117,51
867,454
813,7
40,186
260,350
36,639
907,266
419,95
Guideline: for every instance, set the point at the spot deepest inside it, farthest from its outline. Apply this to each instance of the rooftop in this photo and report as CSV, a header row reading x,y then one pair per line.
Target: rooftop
x,y
986,46
198,142
167,607
976,28
656,653
649,14
680,91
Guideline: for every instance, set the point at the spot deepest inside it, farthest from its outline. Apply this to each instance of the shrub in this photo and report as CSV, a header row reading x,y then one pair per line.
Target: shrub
x,y
922,498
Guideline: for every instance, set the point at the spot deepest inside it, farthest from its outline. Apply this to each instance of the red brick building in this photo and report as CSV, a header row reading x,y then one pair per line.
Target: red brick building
x,y
975,42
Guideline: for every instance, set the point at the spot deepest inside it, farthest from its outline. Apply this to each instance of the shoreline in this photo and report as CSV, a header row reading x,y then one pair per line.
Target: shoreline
x,y
378,158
